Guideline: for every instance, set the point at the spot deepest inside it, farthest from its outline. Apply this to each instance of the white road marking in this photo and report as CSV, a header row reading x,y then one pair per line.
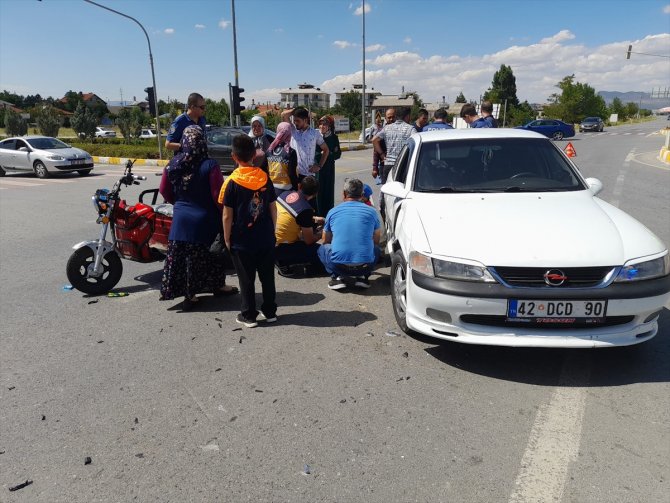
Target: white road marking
x,y
618,186
554,439
16,183
54,180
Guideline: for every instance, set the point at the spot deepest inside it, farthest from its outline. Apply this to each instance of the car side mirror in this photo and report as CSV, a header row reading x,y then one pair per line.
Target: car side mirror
x,y
24,149
595,185
395,189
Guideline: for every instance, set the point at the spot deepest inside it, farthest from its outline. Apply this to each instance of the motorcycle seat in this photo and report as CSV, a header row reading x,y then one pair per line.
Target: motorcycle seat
x,y
164,209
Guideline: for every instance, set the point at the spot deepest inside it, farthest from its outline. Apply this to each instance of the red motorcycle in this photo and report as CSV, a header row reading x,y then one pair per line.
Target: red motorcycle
x,y
139,232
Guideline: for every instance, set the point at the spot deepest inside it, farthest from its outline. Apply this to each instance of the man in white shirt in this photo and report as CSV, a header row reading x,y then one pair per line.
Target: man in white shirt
x,y
304,140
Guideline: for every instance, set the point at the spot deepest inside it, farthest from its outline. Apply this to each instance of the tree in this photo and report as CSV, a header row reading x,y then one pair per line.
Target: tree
x,y
15,125
350,107
48,121
631,110
138,119
417,104
617,108
218,112
519,115
124,120
83,121
72,100
503,87
576,102
461,98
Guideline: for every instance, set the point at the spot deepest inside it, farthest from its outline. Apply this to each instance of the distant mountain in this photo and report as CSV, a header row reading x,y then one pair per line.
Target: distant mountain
x,y
638,97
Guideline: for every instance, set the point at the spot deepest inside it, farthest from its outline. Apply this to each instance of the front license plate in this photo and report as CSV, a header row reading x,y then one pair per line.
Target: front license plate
x,y
557,311
79,161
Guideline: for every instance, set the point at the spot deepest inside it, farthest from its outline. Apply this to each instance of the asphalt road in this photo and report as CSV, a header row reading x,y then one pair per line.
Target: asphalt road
x,y
329,404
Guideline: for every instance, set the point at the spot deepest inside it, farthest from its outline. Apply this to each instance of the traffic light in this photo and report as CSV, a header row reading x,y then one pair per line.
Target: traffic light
x,y
237,99
630,48
151,98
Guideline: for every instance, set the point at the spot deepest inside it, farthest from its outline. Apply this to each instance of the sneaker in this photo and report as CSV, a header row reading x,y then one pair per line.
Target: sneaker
x,y
336,284
266,319
362,282
243,320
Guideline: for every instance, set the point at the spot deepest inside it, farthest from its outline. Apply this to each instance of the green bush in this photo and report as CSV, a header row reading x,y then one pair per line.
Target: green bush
x,y
112,147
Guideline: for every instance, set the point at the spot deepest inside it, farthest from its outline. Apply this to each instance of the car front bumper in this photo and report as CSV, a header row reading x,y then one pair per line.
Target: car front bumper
x,y
64,166
442,312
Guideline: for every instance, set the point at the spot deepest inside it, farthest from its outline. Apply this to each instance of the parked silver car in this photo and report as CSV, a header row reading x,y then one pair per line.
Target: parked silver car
x,y
104,132
43,155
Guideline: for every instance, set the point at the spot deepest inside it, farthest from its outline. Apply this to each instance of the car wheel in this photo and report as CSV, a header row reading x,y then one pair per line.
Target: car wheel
x,y
2,171
399,290
557,135
84,172
77,271
40,170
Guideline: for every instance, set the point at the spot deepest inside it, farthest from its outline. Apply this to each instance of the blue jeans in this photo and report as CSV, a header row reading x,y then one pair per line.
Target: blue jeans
x,y
336,269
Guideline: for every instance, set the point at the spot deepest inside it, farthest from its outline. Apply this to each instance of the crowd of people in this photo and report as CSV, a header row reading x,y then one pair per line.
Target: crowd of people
x,y
277,208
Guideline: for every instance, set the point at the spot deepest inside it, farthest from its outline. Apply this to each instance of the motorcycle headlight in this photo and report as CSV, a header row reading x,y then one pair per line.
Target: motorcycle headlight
x,y
649,269
55,157
449,270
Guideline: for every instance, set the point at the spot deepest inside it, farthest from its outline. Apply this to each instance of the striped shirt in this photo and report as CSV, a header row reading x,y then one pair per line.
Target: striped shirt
x,y
395,135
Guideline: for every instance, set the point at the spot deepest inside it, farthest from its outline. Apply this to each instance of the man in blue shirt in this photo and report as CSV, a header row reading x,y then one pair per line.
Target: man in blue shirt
x,y
439,123
194,116
350,237
469,115
487,113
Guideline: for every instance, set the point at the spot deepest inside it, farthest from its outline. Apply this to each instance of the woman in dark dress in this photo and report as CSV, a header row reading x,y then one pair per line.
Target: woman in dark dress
x,y
325,200
191,182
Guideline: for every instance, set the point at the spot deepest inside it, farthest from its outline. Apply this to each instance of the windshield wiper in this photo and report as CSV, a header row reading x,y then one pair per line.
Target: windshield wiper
x,y
453,190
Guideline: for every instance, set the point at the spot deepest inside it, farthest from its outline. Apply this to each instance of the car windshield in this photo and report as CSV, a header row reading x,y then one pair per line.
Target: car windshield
x,y
494,165
46,143
222,136
591,119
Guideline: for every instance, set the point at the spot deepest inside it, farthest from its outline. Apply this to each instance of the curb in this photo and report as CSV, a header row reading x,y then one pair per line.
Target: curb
x,y
124,160
664,154
357,147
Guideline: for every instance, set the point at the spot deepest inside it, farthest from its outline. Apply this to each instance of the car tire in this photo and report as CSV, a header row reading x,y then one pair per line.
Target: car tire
x,y
557,136
2,171
84,172
399,290
40,170
77,271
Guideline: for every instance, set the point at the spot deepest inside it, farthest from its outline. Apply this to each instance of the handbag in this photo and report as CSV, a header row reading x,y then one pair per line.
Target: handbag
x,y
218,246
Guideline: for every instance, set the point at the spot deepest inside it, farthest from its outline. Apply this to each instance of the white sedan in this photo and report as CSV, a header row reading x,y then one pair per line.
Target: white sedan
x,y
495,238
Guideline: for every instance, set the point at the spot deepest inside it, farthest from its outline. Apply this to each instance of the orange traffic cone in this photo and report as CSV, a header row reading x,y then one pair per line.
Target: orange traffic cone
x,y
570,150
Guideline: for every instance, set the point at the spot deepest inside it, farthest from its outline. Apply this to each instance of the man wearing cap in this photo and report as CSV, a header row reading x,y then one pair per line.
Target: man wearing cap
x,y
350,237
297,237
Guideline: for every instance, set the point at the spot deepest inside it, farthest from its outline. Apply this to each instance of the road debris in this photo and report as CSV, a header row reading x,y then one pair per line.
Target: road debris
x,y
391,333
21,485
95,301
242,338
405,354
67,288
306,470
88,460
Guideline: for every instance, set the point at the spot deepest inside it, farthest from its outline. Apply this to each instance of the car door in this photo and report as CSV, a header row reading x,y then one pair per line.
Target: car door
x,y
22,157
7,150
397,189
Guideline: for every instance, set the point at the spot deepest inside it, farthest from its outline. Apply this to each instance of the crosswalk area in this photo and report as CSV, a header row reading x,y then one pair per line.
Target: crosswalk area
x,y
21,181
604,134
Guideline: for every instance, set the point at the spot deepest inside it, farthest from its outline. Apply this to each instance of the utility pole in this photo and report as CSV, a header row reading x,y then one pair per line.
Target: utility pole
x,y
363,91
237,79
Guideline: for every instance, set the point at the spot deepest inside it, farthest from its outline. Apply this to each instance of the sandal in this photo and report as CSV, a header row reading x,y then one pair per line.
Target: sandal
x,y
224,292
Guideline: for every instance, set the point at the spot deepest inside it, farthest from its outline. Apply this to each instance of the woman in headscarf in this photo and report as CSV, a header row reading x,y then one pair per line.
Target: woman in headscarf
x,y
325,200
282,160
261,141
191,182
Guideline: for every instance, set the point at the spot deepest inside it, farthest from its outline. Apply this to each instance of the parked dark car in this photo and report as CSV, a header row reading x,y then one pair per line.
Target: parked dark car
x,y
592,124
220,144
551,128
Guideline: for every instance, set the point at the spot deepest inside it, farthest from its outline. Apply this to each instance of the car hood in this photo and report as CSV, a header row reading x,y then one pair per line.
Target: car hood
x,y
566,229
68,153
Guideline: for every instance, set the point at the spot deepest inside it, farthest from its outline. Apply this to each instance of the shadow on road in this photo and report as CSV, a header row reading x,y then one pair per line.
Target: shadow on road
x,y
323,319
644,363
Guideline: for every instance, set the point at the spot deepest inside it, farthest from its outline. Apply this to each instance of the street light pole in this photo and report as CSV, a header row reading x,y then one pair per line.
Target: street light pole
x,y
363,91
153,76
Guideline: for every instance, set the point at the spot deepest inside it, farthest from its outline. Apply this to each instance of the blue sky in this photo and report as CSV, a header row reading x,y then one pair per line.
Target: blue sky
x,y
437,48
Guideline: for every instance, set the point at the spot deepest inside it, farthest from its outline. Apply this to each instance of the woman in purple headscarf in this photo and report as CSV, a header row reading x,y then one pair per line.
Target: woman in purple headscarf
x,y
282,160
191,182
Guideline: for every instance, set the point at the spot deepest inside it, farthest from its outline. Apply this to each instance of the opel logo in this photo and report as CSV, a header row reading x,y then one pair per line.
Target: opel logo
x,y
555,277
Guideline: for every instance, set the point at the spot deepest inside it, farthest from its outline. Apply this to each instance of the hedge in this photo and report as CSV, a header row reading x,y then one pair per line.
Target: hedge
x,y
111,147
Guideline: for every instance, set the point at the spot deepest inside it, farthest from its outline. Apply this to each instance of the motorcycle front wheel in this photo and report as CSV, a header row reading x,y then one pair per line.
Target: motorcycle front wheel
x,y
77,271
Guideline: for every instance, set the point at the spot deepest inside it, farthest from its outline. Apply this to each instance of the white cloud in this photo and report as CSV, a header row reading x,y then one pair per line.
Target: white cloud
x,y
666,9
169,31
559,37
538,67
343,44
375,47
359,9
223,24
199,26
407,40
279,30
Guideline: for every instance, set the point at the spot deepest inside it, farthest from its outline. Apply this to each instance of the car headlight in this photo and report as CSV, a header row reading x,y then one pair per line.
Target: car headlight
x,y
55,157
648,269
449,270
